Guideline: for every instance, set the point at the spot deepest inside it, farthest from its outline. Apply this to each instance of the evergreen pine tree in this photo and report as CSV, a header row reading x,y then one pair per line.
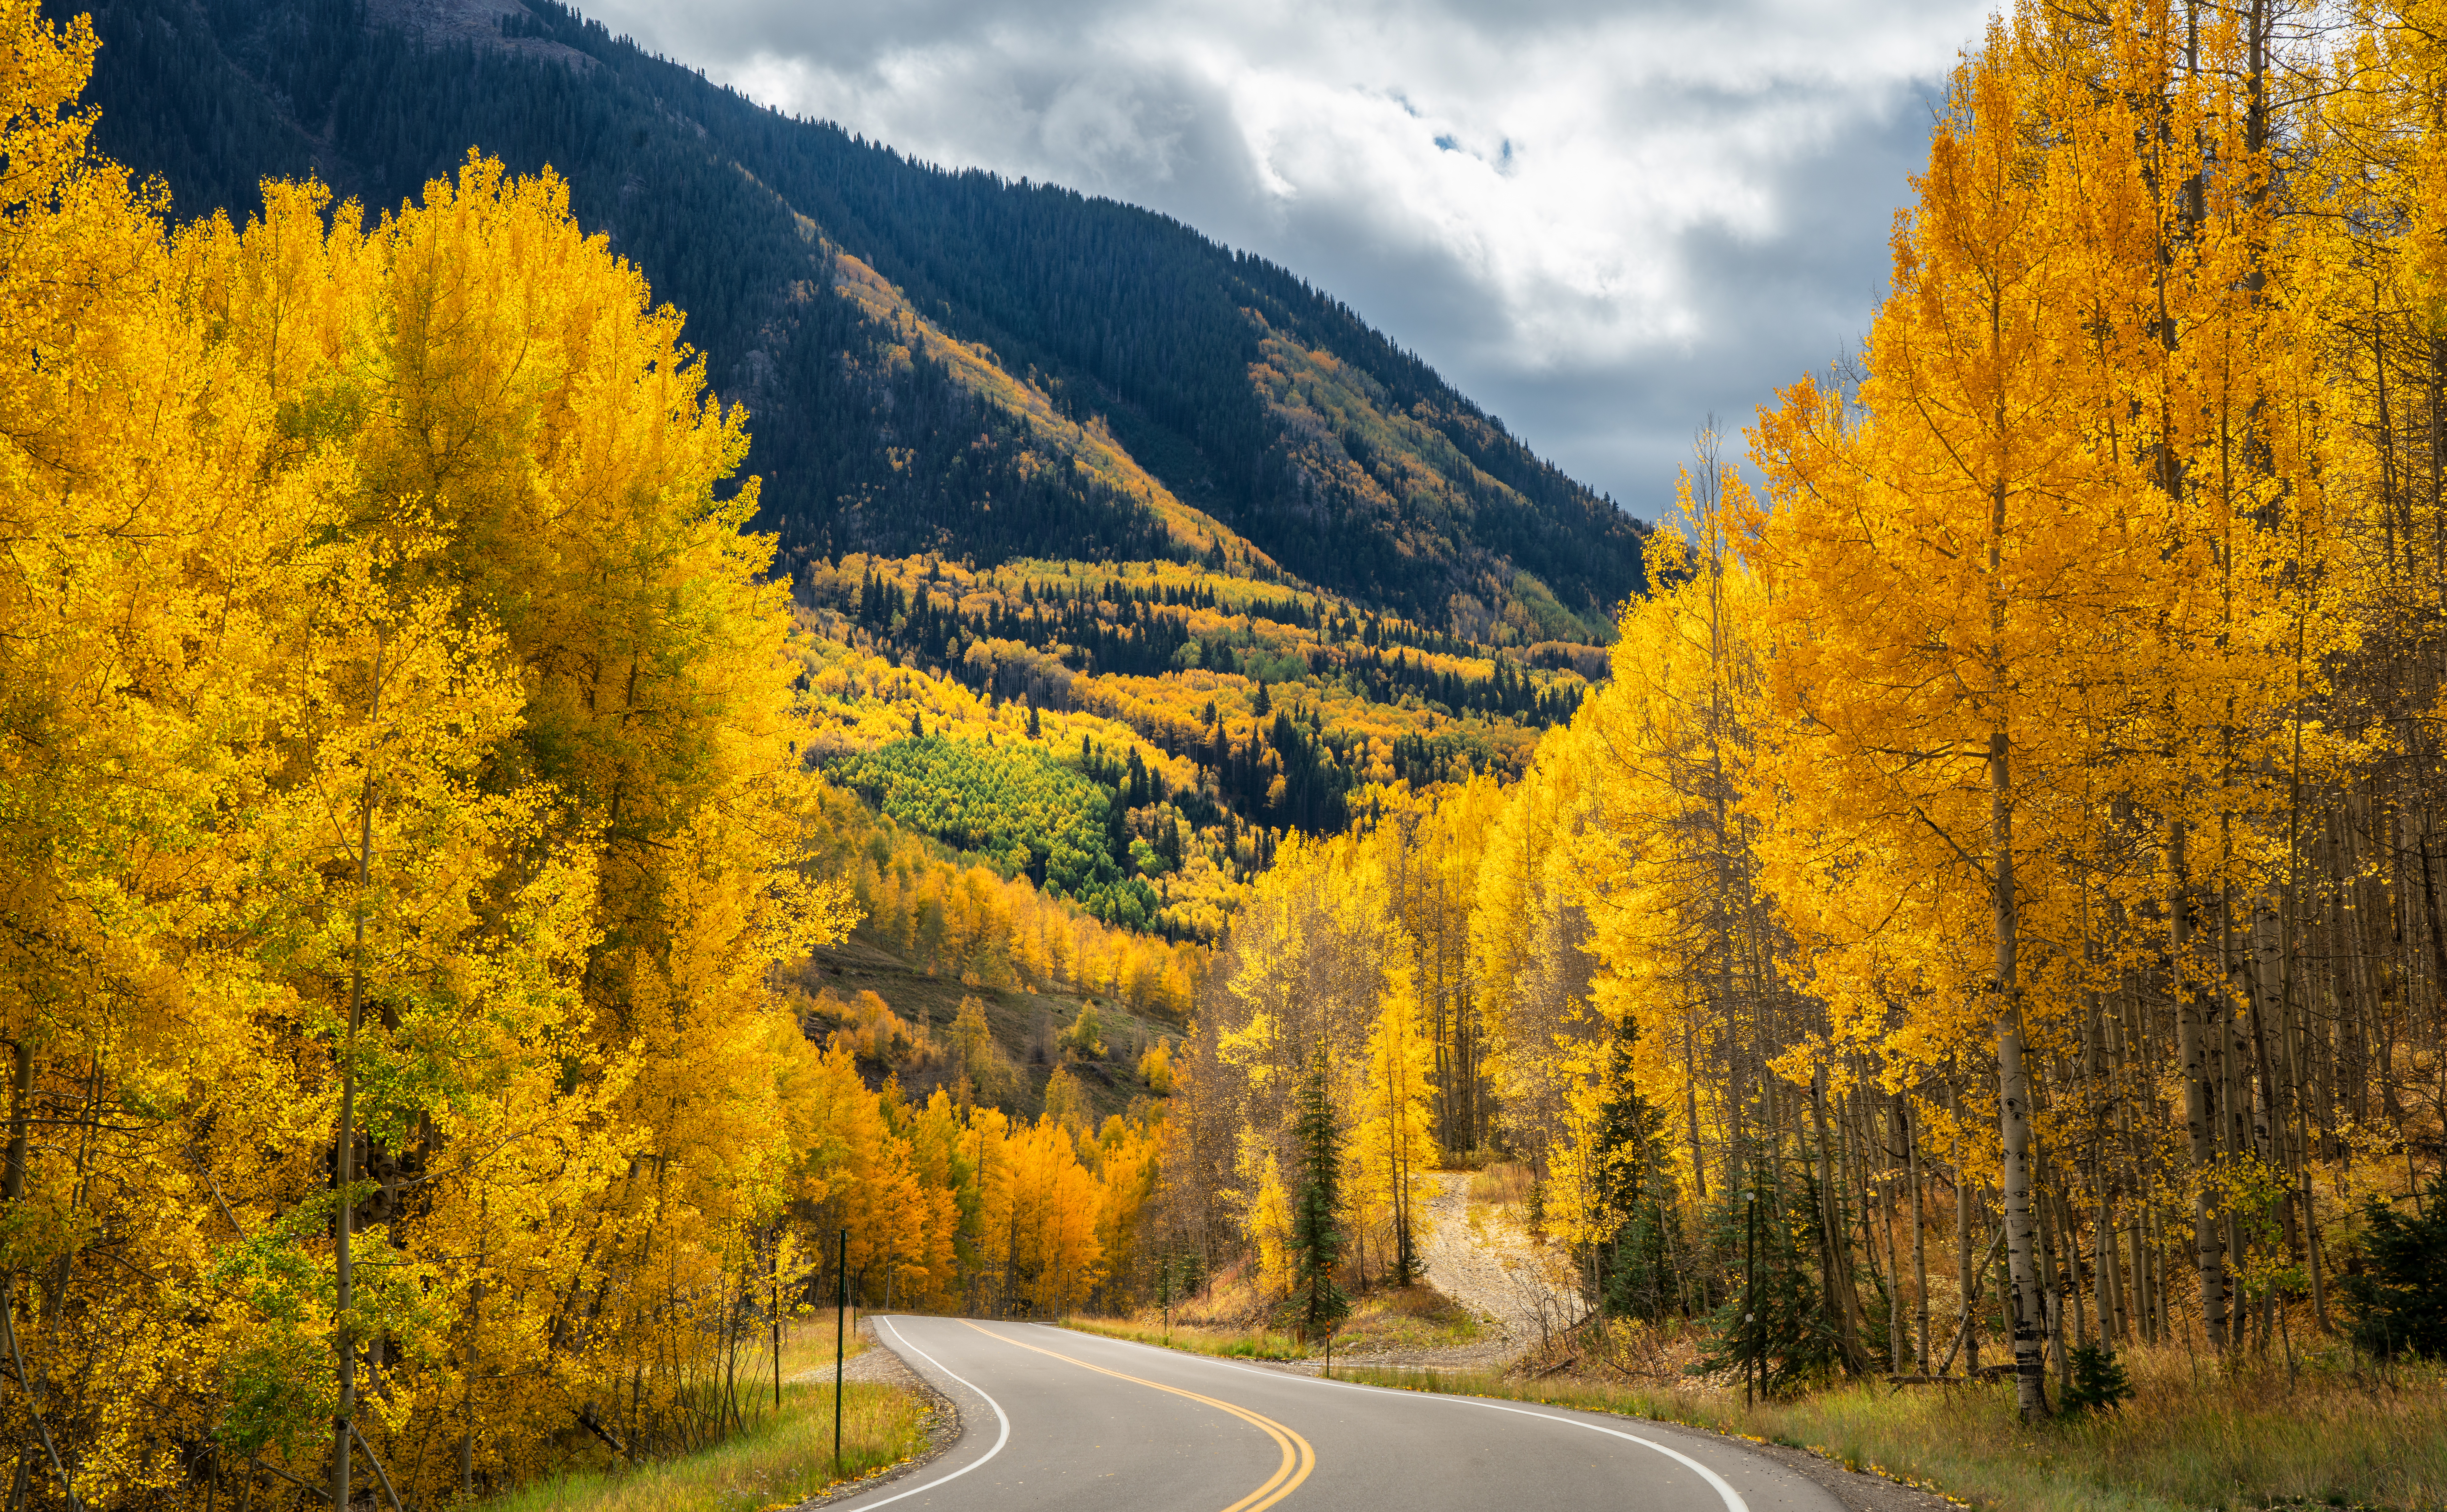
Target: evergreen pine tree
x,y
1626,1129
1318,1303
1627,1134
1787,1328
2098,1380
2400,1299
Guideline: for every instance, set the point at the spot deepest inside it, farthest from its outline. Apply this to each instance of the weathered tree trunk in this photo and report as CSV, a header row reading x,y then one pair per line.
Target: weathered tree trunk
x,y
2197,1052
1919,1233
2029,1306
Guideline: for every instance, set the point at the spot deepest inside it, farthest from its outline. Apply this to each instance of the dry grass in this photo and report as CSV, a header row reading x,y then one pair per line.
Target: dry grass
x,y
781,1459
2330,1437
807,1345
1228,1301
1410,1317
1504,1183
1237,1344
1382,1319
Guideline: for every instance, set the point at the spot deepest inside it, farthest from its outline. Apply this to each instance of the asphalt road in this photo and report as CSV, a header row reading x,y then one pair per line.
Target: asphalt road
x,y
1054,1419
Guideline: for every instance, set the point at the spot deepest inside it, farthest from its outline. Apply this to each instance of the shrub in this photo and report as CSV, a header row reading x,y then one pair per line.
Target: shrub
x,y
2098,1381
1788,1330
2399,1299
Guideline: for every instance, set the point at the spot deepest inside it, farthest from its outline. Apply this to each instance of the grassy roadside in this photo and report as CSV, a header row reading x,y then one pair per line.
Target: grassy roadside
x,y
780,1459
2330,1437
1413,1317
2331,1432
1226,1343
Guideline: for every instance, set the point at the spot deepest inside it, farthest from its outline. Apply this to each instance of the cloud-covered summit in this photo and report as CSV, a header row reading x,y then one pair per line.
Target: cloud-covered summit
x,y
1604,222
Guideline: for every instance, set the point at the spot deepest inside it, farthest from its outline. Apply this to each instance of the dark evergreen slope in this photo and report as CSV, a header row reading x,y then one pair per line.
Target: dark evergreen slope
x,y
1386,485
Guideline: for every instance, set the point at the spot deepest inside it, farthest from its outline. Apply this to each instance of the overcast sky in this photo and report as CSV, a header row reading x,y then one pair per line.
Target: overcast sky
x,y
1602,221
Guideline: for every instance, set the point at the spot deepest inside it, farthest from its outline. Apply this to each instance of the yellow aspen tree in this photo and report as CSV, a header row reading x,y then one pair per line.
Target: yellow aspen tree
x,y
1941,569
1392,1148
1530,944
1666,867
1128,1170
1270,1228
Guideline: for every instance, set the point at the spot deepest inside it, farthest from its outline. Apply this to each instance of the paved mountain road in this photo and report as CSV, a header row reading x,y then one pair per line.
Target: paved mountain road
x,y
1057,1420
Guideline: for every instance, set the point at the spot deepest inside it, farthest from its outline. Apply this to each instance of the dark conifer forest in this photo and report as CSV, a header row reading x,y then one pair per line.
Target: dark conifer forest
x,y
1411,497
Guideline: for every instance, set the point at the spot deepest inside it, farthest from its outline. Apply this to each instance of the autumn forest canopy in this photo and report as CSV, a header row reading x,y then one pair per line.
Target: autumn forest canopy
x,y
553,764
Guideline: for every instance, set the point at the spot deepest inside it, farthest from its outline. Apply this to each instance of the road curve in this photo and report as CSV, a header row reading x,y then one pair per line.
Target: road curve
x,y
1058,1420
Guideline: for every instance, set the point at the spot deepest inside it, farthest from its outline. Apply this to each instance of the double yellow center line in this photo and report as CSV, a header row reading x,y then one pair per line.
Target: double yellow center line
x,y
1299,1459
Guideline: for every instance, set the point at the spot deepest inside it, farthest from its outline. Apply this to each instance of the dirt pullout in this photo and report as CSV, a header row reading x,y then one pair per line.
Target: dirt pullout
x,y
1495,1269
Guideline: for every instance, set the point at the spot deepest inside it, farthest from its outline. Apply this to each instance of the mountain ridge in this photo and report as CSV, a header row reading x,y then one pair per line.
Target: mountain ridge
x,y
1043,470
1398,492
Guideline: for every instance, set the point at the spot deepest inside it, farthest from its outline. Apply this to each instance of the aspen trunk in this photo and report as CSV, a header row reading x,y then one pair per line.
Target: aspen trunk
x,y
1962,1275
1691,1107
1919,1234
12,1184
1834,1242
2107,1271
2196,1047
1898,1334
2029,1306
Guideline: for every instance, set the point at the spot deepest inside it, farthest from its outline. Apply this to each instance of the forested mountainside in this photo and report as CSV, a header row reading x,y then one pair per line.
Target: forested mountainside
x,y
1017,370
1047,471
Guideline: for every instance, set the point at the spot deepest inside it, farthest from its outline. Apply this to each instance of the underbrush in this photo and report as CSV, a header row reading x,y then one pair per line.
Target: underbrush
x,y
1502,1183
1230,1319
1410,1317
1237,1344
780,1459
2250,1438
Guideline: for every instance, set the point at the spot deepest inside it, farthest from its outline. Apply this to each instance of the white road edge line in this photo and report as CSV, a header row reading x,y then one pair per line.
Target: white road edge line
x,y
1000,1439
1725,1493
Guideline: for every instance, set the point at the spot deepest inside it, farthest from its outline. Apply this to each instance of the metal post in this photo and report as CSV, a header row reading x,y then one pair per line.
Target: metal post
x,y
775,1270
1754,1366
840,1344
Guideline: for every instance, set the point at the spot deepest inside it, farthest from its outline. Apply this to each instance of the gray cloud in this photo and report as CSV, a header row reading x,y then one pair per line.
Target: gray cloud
x,y
1604,222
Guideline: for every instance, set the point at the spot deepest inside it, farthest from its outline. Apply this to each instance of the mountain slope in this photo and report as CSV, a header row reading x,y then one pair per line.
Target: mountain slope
x,y
1199,365
1048,472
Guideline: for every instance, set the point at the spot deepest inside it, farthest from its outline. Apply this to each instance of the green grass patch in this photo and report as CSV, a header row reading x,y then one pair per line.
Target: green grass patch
x,y
780,1459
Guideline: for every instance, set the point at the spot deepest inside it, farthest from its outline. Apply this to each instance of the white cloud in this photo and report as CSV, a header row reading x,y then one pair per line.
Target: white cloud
x,y
1602,222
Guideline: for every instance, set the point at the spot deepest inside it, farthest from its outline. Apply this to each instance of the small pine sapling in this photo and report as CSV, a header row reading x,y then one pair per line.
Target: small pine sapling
x,y
2399,1299
2098,1381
